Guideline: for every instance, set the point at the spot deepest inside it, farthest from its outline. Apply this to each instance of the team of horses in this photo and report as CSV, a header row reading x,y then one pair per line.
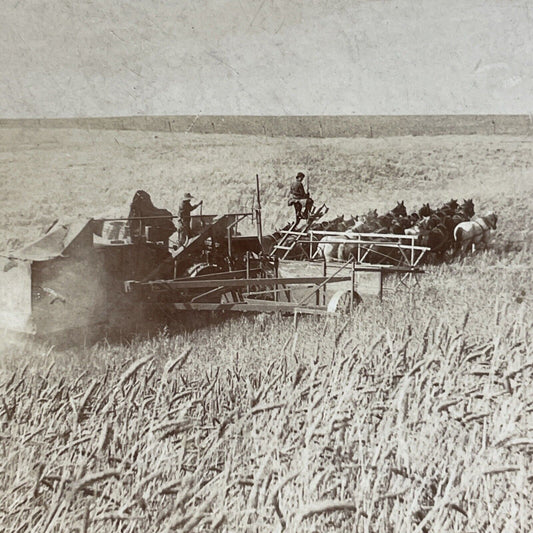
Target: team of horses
x,y
447,230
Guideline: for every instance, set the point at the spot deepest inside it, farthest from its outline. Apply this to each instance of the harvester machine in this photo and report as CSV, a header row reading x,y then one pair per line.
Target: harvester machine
x,y
88,274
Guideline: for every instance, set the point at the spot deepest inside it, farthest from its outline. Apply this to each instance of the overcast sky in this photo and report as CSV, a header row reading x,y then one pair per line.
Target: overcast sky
x,y
275,57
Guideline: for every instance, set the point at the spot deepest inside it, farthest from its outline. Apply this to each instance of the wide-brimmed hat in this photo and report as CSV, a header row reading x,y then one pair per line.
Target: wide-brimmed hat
x,y
188,196
300,175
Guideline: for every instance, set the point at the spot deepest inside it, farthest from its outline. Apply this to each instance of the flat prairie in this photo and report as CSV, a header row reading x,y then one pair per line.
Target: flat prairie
x,y
50,173
412,414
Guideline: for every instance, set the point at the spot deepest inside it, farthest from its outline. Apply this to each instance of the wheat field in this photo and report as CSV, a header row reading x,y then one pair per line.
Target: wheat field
x,y
414,414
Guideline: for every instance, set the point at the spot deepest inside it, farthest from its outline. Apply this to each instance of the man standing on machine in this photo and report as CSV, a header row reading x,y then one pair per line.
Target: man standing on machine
x,y
184,218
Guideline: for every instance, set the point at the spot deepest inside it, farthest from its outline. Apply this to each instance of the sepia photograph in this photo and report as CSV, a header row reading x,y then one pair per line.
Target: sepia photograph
x,y
266,266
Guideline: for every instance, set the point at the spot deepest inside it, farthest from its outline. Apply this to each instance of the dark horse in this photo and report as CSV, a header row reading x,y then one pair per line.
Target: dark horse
x,y
142,207
467,207
425,211
399,210
437,239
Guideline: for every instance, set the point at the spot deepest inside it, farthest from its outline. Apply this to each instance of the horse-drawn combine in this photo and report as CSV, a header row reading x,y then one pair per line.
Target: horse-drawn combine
x,y
111,271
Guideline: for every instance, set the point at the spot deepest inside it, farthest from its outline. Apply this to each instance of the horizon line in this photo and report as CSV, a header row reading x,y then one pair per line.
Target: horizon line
x,y
400,115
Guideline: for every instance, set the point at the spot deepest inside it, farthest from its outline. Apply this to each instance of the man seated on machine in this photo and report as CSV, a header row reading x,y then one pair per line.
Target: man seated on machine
x,y
299,198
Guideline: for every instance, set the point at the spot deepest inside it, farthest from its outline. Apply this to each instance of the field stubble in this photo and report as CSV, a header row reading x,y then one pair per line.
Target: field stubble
x,y
412,415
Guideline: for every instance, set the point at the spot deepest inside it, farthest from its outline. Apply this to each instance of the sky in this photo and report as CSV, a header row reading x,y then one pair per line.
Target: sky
x,y
78,58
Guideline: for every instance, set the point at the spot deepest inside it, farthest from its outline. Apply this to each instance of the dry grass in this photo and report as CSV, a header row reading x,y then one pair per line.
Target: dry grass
x,y
422,426
412,415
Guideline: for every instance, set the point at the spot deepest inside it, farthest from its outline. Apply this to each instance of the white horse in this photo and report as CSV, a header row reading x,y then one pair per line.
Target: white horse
x,y
474,232
346,249
327,247
413,231
330,245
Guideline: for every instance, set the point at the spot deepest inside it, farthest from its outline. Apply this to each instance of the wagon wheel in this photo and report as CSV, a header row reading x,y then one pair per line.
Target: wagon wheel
x,y
202,295
341,302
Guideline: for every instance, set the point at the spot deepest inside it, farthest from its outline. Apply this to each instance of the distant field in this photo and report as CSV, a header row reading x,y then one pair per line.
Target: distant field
x,y
301,126
49,173
414,414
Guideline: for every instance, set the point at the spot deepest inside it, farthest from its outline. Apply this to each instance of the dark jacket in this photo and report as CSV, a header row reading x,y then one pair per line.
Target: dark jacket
x,y
297,190
184,211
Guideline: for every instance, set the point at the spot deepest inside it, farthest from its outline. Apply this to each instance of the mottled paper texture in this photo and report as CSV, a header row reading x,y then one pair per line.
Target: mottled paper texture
x,y
265,57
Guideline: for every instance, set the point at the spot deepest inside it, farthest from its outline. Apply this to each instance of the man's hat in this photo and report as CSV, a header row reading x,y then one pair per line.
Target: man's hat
x,y
188,196
300,175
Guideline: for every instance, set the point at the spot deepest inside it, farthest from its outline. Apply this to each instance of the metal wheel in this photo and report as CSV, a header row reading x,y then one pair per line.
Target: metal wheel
x,y
199,269
341,302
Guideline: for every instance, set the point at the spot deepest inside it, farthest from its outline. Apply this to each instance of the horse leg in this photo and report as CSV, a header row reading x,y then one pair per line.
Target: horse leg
x,y
468,246
485,239
348,252
461,242
341,251
331,253
323,250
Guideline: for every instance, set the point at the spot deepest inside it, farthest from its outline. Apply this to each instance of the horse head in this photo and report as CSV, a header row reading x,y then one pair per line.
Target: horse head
x,y
337,224
405,222
434,221
399,210
491,219
372,214
467,207
284,228
361,226
385,220
269,241
425,211
318,226
452,204
350,221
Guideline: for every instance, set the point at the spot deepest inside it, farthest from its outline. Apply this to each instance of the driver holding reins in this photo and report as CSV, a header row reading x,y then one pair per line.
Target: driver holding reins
x,y
299,198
